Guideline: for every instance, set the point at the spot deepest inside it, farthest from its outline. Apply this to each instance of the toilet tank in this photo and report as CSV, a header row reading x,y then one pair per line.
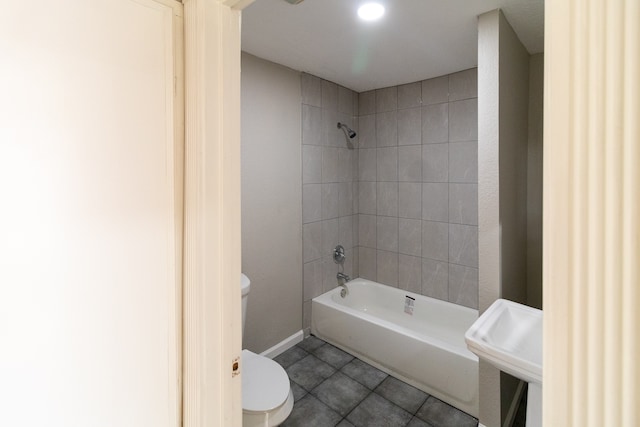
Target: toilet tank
x,y
245,284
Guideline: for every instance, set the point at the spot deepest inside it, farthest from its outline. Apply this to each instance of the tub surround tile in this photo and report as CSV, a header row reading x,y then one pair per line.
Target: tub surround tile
x,y
329,272
367,235
435,123
435,279
410,237
387,198
367,131
463,85
311,125
311,241
410,163
329,95
387,164
345,165
345,199
332,355
387,265
340,393
291,356
309,411
364,373
311,203
345,100
438,413
345,232
435,163
306,316
387,99
463,285
463,162
410,200
463,120
331,135
311,90
367,263
410,126
435,202
405,396
410,273
330,236
435,91
367,102
311,164
463,245
435,240
312,279
375,411
367,164
463,204
309,372
410,95
387,129
329,164
387,234
330,206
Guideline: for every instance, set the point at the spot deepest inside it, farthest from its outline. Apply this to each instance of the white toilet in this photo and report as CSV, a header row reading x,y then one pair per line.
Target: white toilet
x,y
267,399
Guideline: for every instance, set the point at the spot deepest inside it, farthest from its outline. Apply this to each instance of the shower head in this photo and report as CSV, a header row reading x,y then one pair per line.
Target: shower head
x,y
347,130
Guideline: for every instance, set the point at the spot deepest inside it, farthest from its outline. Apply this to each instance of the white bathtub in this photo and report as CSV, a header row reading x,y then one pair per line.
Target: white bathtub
x,y
425,349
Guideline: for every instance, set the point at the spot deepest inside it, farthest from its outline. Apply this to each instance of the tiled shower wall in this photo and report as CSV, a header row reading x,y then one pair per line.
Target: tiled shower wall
x,y
418,187
329,186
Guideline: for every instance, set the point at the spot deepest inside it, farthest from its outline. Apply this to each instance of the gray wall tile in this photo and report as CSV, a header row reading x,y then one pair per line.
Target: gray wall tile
x,y
367,164
367,197
345,100
463,85
410,126
387,198
463,162
367,102
345,165
435,162
435,123
387,99
329,164
311,164
367,131
435,91
330,195
410,273
329,95
367,263
367,225
329,272
463,204
311,241
463,245
329,236
410,163
410,236
410,200
311,125
435,279
311,203
387,234
311,90
410,95
312,279
331,135
463,285
435,240
387,129
345,231
435,202
463,120
387,161
387,265
345,198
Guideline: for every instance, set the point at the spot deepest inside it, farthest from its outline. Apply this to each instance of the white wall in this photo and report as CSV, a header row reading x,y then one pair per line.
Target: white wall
x,y
503,82
271,201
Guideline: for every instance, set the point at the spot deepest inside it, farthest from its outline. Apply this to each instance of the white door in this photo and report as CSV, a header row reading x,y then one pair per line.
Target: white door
x,y
90,213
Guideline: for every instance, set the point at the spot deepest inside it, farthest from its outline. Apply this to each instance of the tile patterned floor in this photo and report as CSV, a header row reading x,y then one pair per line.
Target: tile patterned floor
x,y
332,388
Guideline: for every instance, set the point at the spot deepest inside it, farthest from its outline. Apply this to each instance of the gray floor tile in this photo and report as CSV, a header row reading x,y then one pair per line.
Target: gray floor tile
x,y
309,372
340,393
310,412
439,414
344,423
376,411
364,373
333,356
290,356
310,343
298,392
402,394
417,422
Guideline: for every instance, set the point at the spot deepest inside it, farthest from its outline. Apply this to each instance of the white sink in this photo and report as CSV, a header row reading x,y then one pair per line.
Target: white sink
x,y
509,336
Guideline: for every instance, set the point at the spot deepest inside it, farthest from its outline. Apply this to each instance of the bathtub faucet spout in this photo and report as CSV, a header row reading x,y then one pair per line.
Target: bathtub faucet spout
x,y
342,281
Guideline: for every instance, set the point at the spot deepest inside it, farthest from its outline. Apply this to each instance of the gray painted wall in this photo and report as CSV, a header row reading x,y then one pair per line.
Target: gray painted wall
x,y
503,85
271,201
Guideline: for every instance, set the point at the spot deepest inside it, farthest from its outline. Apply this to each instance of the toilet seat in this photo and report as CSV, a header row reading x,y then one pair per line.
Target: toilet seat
x,y
265,384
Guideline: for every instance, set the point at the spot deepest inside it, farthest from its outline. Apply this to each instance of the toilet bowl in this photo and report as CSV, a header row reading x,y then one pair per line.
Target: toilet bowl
x,y
267,399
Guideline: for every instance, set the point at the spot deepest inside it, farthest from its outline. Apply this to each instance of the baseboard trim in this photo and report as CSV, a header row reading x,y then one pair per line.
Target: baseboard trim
x,y
283,345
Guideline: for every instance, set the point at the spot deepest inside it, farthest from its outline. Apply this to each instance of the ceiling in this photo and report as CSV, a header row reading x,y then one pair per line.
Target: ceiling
x,y
415,40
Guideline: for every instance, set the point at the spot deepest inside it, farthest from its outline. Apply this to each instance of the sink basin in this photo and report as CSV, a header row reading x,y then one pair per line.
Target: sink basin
x,y
509,336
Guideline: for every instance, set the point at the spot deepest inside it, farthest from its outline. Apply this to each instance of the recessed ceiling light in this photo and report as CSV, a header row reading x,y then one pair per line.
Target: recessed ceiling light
x,y
371,11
